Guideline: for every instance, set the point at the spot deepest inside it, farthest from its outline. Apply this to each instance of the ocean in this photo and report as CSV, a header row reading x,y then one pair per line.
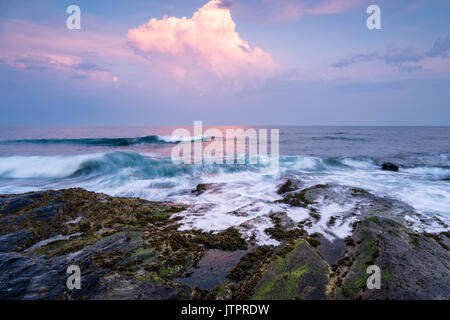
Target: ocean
x,y
135,162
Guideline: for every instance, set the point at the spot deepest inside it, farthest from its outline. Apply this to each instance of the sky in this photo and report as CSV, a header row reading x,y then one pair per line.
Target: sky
x,y
225,62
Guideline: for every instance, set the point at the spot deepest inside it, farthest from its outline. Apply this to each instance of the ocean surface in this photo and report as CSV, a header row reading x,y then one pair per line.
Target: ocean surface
x,y
135,162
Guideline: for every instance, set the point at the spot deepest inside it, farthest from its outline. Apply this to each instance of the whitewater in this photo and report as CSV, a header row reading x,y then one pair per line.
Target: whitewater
x,y
243,195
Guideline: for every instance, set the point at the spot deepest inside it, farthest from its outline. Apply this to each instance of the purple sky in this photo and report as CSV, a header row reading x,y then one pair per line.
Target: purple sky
x,y
267,62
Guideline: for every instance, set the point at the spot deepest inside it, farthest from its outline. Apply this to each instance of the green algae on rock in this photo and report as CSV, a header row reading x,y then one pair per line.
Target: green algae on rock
x,y
120,241
129,248
300,274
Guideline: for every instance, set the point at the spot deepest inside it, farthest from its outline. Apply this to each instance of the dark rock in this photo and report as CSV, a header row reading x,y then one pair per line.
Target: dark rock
x,y
304,197
17,204
212,269
38,195
202,187
19,274
413,266
119,287
12,241
289,185
4,199
283,219
332,252
284,228
388,166
49,211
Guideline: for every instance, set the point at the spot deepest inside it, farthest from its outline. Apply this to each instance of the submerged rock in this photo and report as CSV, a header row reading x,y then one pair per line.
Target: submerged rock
x,y
388,166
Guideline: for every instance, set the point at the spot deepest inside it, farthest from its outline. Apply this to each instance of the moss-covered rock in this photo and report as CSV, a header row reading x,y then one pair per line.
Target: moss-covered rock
x,y
300,274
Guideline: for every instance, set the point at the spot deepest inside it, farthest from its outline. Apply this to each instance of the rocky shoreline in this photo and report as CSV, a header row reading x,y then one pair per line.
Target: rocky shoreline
x,y
129,248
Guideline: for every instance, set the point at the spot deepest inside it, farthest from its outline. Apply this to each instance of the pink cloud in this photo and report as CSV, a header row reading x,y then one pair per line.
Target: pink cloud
x,y
203,49
36,48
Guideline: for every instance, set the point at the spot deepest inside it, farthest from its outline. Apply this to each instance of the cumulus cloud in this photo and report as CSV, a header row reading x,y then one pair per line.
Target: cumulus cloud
x,y
203,48
441,47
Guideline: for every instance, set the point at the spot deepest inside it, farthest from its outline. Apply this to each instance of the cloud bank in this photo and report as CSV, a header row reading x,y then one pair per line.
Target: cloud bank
x,y
441,47
403,56
355,59
203,49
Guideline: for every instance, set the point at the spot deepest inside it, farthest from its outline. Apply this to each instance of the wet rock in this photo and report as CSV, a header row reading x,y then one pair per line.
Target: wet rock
x,y
17,204
27,278
413,266
289,186
201,188
332,252
212,269
13,241
300,274
132,249
239,213
47,212
388,166
120,287
4,199
249,262
38,269
302,198
210,187
284,228
283,219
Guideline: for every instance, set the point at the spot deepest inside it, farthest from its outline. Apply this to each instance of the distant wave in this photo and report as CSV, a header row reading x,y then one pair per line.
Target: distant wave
x,y
107,142
338,138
